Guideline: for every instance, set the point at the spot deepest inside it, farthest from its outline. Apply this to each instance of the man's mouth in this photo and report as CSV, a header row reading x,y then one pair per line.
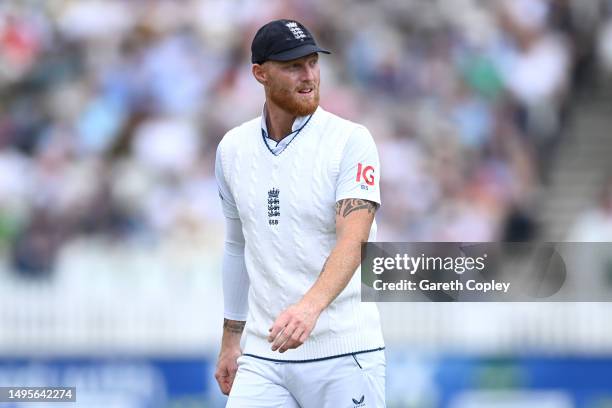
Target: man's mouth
x,y
305,90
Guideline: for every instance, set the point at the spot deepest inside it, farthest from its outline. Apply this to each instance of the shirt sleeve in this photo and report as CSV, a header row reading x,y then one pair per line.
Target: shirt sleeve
x,y
359,175
233,268
227,199
235,277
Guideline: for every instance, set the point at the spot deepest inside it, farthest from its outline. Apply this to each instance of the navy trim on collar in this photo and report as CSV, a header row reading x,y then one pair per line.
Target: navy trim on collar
x,y
297,132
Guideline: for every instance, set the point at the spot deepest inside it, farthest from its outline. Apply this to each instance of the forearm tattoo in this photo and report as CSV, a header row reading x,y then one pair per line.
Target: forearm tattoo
x,y
233,326
349,205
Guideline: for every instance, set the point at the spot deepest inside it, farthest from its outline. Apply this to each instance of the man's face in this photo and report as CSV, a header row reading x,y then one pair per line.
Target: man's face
x,y
294,85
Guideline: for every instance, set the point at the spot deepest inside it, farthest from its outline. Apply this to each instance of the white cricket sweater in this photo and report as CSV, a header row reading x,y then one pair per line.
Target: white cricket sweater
x,y
286,204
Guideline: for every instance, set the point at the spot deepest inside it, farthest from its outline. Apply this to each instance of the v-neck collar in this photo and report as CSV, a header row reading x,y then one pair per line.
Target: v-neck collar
x,y
276,148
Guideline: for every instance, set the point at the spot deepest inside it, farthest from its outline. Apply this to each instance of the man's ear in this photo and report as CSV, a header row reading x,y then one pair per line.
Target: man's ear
x,y
260,74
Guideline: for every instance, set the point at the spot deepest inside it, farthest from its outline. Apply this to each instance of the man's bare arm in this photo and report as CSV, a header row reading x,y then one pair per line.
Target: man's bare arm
x,y
354,219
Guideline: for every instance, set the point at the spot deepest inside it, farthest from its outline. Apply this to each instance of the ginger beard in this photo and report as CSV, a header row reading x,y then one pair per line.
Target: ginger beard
x,y
292,102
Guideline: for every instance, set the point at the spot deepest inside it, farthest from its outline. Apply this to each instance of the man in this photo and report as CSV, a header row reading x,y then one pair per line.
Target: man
x,y
299,189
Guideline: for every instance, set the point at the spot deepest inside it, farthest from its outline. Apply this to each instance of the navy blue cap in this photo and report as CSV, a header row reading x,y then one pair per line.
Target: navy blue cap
x,y
283,40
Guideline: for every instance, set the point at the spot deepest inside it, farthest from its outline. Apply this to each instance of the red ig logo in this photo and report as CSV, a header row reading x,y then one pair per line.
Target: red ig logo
x,y
367,173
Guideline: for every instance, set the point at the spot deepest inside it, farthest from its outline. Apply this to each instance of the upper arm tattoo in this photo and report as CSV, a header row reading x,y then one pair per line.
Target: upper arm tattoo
x,y
349,205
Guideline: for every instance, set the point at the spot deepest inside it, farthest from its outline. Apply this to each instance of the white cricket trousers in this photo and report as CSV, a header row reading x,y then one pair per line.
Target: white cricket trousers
x,y
353,381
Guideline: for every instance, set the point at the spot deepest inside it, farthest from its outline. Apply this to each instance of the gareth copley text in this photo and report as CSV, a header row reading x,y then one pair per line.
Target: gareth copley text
x,y
453,286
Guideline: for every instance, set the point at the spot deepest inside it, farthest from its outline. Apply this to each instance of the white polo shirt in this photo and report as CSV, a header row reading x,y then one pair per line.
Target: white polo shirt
x,y
286,206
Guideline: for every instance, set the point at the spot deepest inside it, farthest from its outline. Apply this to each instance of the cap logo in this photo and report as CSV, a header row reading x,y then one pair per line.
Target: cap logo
x,y
295,30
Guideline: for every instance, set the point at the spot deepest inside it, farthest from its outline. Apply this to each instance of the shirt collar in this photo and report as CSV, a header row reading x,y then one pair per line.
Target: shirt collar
x,y
297,123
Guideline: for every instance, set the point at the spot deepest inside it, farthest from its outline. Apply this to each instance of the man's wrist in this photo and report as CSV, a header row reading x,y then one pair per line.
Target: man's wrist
x,y
232,332
233,326
314,303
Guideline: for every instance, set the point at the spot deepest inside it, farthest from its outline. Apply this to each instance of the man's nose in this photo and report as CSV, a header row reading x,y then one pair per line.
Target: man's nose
x,y
308,73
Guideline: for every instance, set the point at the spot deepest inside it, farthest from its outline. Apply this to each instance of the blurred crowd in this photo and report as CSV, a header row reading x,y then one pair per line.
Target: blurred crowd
x,y
111,111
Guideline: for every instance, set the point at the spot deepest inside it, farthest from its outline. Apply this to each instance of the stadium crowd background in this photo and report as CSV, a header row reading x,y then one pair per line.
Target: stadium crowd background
x,y
111,111
108,126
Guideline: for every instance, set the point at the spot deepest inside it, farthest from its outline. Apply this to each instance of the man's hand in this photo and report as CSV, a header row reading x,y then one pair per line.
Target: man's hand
x,y
226,369
293,326
230,351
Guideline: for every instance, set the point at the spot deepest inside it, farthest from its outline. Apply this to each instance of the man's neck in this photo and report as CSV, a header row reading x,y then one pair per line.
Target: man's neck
x,y
278,122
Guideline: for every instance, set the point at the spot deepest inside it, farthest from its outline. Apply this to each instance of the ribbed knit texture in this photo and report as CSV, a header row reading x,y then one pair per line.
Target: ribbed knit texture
x,y
283,261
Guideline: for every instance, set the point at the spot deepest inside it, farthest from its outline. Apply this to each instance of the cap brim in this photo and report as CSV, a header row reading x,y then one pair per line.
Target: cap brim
x,y
297,52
